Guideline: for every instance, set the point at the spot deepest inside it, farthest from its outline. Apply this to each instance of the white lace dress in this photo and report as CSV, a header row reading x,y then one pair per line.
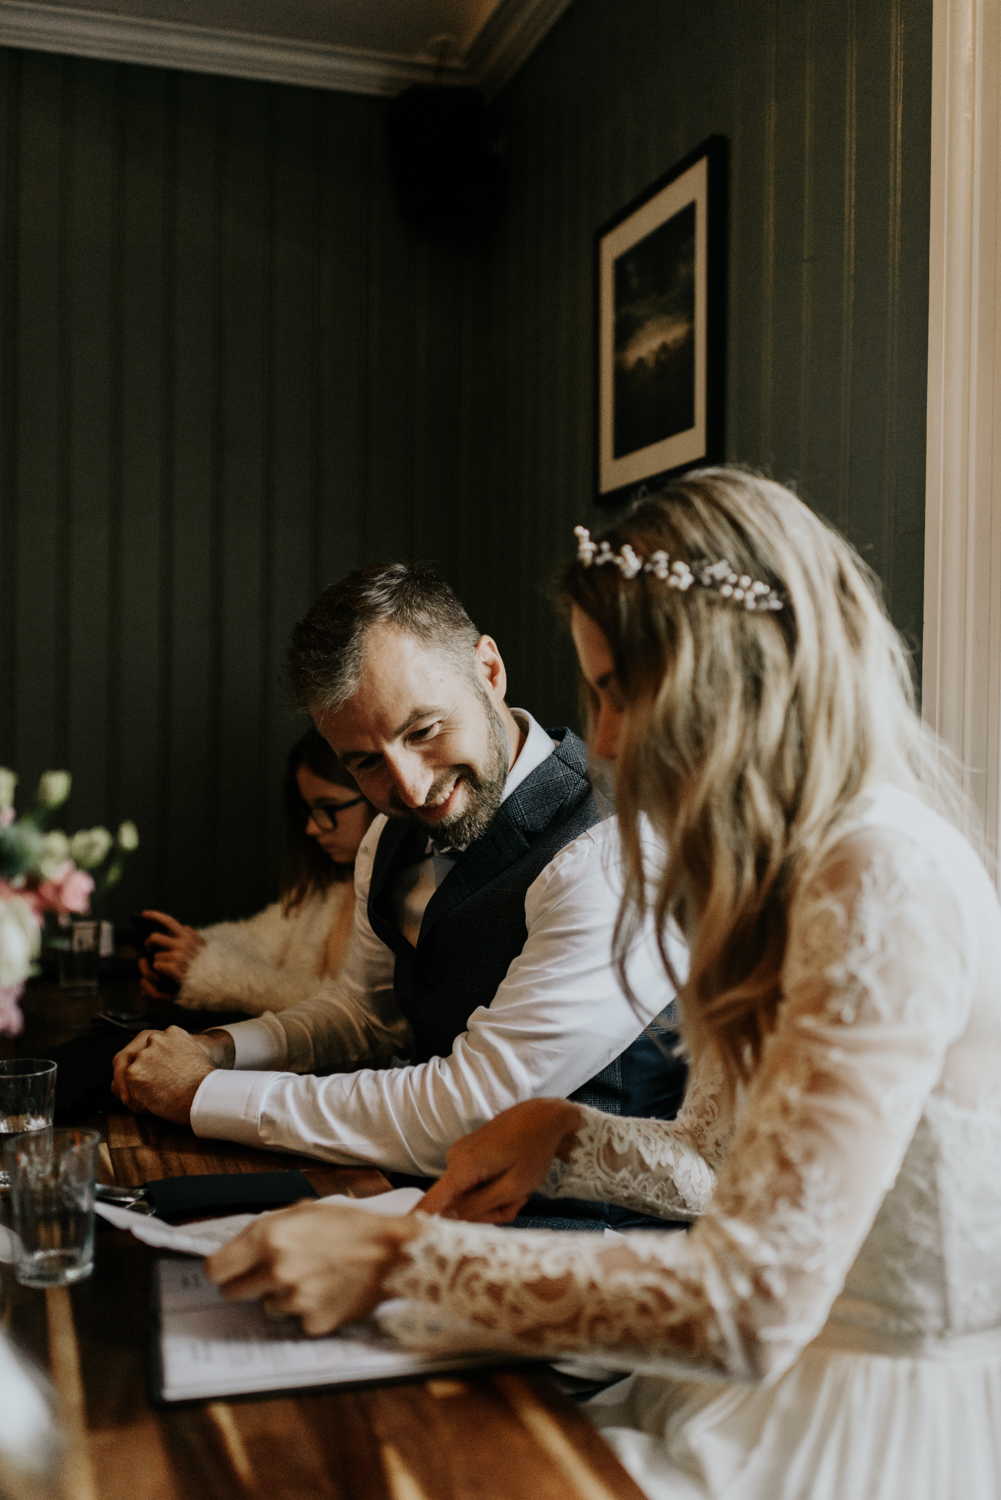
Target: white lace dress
x,y
830,1327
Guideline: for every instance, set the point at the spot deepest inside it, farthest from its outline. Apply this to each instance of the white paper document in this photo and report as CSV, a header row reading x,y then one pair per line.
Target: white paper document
x,y
210,1347
209,1235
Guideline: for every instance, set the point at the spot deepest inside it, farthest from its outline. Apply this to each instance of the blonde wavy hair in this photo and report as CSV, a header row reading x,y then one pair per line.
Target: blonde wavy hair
x,y
747,735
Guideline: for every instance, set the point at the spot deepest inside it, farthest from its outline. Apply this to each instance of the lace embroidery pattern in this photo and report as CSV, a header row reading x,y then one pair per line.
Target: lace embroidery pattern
x,y
857,950
715,1299
663,1168
930,1263
836,1175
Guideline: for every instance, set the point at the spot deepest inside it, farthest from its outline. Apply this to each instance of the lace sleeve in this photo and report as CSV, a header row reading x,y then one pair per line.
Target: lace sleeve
x,y
875,989
662,1167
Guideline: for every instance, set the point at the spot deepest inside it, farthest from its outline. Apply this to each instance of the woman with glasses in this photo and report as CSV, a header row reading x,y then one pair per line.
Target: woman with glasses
x,y
274,959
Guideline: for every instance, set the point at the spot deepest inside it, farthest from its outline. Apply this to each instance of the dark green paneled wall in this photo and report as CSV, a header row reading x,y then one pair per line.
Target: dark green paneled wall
x,y
228,373
826,106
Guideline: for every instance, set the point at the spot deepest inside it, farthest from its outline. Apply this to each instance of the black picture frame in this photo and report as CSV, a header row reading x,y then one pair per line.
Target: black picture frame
x,y
661,288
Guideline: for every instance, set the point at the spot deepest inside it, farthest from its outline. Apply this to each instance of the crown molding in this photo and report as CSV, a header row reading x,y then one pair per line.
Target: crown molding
x,y
198,49
509,36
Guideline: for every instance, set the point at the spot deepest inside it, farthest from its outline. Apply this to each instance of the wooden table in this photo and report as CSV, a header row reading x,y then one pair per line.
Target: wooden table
x,y
504,1435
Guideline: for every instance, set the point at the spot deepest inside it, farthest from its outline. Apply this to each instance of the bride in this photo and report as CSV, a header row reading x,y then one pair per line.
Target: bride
x,y
830,1326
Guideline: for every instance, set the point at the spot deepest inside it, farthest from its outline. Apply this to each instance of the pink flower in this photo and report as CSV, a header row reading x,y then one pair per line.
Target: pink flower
x,y
68,891
7,816
76,891
11,1019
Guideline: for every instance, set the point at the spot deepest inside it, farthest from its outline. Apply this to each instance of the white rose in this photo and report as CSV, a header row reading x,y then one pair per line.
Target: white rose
x,y
8,782
128,836
19,940
55,851
88,847
54,788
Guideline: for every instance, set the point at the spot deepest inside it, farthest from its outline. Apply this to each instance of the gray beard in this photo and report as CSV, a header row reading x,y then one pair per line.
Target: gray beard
x,y
484,791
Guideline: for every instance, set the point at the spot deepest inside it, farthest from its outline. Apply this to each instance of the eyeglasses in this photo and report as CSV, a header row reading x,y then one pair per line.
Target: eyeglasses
x,y
325,814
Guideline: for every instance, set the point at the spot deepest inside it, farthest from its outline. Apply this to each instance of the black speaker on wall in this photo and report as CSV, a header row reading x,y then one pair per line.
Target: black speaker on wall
x,y
446,170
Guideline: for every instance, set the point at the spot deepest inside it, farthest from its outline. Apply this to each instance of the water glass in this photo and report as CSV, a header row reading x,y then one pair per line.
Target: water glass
x,y
85,942
52,1204
27,1098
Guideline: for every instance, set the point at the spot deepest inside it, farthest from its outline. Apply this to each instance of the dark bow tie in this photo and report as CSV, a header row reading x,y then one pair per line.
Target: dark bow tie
x,y
444,859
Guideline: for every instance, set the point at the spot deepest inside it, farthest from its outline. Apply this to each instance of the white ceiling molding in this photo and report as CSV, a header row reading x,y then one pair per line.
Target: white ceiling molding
x,y
962,631
509,37
510,34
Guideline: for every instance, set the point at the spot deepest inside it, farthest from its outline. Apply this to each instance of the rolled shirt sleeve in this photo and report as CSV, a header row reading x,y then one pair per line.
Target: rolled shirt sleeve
x,y
557,1018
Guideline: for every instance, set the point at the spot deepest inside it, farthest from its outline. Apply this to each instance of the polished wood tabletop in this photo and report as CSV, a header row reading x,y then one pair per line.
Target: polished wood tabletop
x,y
494,1435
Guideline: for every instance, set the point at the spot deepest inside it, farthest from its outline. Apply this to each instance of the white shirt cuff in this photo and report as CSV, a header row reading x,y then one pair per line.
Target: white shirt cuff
x,y
227,1105
258,1044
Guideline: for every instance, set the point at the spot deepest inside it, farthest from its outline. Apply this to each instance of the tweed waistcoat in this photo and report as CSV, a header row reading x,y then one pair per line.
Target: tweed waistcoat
x,y
474,925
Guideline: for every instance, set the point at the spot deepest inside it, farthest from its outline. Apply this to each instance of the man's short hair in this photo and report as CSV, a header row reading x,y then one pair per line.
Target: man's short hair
x,y
325,656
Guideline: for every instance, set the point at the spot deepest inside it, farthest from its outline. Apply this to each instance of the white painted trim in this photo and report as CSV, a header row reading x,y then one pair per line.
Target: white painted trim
x,y
962,630
506,40
197,49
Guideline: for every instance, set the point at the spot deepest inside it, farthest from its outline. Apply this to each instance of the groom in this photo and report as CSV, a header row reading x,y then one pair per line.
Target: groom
x,y
485,904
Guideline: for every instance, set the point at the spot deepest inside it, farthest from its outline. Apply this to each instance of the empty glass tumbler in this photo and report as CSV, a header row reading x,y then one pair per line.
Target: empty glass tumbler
x,y
27,1099
83,944
51,1176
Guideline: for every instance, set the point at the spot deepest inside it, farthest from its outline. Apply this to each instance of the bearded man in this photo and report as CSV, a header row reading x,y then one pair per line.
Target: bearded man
x,y
480,971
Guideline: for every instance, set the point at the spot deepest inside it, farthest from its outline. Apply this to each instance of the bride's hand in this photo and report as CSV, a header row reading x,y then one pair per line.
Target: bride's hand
x,y
323,1263
492,1171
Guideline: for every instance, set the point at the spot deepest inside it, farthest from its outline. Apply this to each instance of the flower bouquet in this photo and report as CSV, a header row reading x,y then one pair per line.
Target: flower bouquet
x,y
45,870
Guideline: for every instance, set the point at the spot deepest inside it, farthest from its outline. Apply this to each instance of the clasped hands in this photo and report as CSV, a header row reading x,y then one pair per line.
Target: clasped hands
x,y
328,1265
160,1072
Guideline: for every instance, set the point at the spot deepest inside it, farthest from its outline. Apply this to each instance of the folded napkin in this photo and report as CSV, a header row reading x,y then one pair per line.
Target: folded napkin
x,y
214,1190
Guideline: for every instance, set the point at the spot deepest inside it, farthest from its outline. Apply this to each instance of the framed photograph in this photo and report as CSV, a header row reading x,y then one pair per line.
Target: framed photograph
x,y
661,268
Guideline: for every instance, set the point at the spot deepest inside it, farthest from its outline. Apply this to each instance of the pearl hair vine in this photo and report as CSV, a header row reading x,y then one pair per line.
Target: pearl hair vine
x,y
720,577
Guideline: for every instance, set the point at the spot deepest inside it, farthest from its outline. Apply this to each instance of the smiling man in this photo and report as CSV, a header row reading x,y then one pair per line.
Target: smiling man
x,y
480,970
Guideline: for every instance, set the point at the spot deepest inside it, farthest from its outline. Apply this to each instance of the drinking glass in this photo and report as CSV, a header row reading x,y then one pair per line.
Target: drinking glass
x,y
84,944
52,1204
27,1098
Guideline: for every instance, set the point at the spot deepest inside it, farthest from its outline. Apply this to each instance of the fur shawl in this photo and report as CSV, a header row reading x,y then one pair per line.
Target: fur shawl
x,y
271,961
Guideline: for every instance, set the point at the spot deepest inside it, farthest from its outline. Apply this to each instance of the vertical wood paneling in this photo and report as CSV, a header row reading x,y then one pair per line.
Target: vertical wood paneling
x,y
190,810
10,153
826,109
87,377
848,251
228,374
906,451
143,682
38,429
252,132
807,234
789,215
770,165
341,396
894,189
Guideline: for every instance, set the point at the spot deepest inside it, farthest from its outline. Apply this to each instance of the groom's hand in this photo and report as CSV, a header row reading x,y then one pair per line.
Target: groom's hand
x,y
160,1072
493,1171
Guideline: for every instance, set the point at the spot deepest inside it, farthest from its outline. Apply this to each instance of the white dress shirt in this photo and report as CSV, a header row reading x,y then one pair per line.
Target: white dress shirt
x,y
558,1017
